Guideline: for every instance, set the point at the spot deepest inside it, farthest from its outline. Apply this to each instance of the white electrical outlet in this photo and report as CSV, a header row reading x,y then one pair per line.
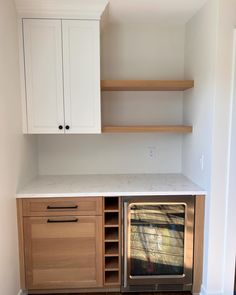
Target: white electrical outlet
x,y
152,152
202,162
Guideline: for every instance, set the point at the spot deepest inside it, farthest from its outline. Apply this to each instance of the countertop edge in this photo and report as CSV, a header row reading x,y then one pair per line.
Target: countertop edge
x,y
110,194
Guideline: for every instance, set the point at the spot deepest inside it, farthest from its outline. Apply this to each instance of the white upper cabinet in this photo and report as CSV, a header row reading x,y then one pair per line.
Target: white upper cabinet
x,y
81,60
43,75
62,76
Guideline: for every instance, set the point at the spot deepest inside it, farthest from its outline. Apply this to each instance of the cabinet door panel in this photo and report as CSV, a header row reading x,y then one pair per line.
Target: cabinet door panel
x,y
63,252
81,58
43,74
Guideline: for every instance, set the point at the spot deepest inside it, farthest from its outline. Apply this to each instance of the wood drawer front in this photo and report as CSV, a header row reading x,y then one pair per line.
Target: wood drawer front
x,y
63,252
62,206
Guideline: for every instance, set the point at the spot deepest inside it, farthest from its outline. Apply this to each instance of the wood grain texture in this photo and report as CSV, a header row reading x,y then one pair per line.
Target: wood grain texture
x,y
146,85
63,254
198,244
103,290
112,241
148,129
62,206
21,242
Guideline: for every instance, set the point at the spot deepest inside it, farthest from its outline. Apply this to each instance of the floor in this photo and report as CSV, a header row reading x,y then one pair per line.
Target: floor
x,y
138,293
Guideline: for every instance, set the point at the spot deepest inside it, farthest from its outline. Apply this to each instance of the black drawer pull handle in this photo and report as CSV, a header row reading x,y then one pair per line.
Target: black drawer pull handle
x,y
62,220
61,207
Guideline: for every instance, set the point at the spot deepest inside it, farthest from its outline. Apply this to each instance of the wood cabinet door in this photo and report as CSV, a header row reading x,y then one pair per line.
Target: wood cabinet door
x,y
63,252
81,60
42,41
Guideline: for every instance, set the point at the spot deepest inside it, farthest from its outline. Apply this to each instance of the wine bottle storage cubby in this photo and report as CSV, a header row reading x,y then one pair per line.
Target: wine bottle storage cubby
x,y
112,234
111,219
112,277
112,243
111,248
111,204
111,263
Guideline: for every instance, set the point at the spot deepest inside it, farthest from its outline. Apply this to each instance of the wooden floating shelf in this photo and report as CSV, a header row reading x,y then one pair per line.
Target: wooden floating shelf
x,y
148,129
146,85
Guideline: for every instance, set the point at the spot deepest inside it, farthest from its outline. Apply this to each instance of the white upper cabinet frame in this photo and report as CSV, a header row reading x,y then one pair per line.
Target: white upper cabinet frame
x,y
43,75
81,64
61,67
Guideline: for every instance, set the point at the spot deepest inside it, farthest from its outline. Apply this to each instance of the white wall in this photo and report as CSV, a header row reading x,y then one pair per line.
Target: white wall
x,y
142,51
220,150
230,242
116,153
17,152
209,44
200,59
129,51
200,54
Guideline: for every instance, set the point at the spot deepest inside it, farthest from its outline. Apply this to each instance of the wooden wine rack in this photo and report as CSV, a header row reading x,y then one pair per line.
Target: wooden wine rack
x,y
112,241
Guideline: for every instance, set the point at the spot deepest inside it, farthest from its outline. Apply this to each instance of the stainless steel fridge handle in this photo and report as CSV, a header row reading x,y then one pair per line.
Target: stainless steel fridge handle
x,y
125,242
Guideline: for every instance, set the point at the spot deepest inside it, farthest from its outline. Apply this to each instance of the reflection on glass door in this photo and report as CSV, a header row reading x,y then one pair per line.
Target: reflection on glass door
x,y
156,239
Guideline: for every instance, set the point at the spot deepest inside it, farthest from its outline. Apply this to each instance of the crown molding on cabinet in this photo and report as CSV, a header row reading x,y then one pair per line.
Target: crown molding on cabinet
x,y
79,9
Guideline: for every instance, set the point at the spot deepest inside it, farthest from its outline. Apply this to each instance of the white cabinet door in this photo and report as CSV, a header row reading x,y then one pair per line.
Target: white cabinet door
x,y
81,59
43,75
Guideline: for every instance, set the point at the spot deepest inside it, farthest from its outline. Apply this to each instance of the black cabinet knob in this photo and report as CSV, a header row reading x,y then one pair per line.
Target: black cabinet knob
x,y
67,127
60,127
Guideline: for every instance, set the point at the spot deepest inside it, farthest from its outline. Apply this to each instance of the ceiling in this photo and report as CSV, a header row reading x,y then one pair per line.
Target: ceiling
x,y
153,11
124,11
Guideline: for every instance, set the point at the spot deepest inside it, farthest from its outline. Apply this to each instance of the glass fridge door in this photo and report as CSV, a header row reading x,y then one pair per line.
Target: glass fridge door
x,y
157,239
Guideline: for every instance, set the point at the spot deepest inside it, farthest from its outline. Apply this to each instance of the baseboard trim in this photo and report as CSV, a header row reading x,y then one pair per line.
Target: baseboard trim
x,y
21,292
204,292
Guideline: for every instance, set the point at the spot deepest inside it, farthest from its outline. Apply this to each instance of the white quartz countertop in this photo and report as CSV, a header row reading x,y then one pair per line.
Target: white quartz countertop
x,y
110,185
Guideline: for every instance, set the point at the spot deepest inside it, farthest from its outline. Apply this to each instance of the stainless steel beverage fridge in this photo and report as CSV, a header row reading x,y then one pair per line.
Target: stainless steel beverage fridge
x,y
158,243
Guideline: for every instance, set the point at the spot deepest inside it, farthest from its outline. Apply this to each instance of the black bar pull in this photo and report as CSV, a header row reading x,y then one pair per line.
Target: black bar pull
x,y
62,207
62,220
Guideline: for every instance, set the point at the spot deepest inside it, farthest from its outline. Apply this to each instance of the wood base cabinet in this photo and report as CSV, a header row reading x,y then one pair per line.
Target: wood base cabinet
x,y
62,252
78,245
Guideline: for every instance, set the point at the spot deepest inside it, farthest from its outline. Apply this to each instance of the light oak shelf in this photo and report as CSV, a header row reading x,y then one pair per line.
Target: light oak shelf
x,y
112,254
112,269
111,226
111,211
148,129
146,85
